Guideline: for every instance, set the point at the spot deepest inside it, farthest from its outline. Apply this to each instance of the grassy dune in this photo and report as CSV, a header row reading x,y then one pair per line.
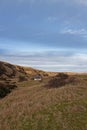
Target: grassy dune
x,y
34,107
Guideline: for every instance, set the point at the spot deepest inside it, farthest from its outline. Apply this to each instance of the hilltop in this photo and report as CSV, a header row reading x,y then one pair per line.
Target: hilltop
x,y
9,71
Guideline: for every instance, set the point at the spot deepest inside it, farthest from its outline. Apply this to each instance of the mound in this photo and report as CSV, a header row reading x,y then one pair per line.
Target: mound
x,y
60,80
9,76
11,71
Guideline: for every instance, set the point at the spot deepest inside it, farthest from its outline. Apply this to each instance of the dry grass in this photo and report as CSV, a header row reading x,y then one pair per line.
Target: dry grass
x,y
34,107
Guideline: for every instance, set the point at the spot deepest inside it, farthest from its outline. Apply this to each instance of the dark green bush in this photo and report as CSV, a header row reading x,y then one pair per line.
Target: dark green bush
x,y
6,88
4,91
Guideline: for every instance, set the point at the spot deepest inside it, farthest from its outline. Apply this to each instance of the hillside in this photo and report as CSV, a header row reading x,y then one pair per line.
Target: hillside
x,y
35,107
58,102
32,71
11,75
9,71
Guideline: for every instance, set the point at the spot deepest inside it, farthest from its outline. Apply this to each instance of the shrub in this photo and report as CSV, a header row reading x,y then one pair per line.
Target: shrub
x,y
12,86
22,78
56,82
62,75
4,91
60,80
6,88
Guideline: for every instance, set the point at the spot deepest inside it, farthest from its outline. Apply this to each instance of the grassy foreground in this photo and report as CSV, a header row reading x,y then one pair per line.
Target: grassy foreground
x,y
34,107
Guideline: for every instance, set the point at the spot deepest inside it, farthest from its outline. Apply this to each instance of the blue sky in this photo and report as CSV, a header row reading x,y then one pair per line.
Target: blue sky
x,y
45,34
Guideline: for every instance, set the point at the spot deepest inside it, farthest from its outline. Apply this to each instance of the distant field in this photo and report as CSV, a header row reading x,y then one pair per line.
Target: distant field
x,y
34,107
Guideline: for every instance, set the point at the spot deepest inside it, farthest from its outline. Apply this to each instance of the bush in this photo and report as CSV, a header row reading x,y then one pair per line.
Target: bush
x,y
4,91
6,88
22,78
56,82
11,86
60,80
62,76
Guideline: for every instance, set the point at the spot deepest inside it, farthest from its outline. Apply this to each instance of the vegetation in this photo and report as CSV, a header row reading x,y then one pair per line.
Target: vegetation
x,y
31,106
4,91
22,78
61,79
6,88
34,107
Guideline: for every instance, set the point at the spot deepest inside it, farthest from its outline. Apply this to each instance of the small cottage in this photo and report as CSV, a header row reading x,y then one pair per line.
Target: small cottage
x,y
38,77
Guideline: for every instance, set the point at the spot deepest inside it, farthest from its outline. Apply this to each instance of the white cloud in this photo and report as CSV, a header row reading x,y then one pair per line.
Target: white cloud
x,y
51,62
81,32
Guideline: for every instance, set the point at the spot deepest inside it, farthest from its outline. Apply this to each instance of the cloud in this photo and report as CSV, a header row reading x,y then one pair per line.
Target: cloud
x,y
81,32
43,27
50,60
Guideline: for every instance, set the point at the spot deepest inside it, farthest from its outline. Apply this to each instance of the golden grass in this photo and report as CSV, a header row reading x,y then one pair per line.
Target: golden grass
x,y
34,107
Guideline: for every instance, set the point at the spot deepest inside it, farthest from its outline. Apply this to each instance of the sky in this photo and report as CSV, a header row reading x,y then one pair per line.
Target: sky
x,y
48,35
